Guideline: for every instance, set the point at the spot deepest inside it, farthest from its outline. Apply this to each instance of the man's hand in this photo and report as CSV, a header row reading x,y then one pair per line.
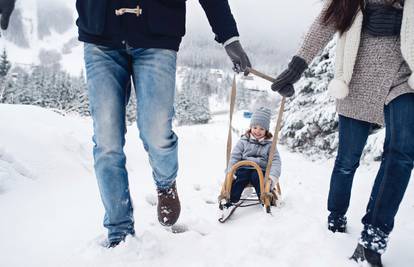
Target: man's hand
x,y
6,8
239,58
284,82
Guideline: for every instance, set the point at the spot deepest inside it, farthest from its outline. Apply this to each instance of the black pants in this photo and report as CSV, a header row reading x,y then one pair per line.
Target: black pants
x,y
244,177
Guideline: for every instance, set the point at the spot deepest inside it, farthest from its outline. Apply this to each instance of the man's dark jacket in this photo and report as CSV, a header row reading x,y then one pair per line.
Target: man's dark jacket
x,y
161,25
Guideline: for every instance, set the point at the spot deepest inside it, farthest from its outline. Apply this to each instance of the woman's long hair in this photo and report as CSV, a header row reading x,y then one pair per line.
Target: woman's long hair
x,y
343,12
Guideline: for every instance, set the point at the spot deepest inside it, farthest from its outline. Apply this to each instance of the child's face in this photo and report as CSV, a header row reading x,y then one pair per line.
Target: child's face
x,y
258,132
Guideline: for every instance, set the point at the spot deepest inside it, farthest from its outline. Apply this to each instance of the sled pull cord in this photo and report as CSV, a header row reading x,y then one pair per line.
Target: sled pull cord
x,y
122,11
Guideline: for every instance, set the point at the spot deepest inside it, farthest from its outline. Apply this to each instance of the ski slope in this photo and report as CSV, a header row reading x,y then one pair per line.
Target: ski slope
x,y
51,214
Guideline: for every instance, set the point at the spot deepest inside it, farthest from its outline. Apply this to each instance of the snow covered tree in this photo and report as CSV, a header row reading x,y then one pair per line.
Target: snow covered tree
x,y
243,98
131,109
81,102
16,85
5,81
191,104
48,87
5,64
310,122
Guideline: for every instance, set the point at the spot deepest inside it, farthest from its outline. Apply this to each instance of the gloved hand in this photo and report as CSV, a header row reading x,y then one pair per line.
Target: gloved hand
x,y
284,82
238,57
6,8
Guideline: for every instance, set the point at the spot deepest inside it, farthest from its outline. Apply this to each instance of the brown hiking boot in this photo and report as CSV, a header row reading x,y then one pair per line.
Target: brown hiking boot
x,y
168,206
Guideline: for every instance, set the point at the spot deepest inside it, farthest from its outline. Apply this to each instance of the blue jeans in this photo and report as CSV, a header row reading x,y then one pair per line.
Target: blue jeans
x,y
392,178
109,72
353,136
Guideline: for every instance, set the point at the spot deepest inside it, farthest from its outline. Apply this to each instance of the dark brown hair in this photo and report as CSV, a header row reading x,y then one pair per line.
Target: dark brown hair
x,y
268,135
343,12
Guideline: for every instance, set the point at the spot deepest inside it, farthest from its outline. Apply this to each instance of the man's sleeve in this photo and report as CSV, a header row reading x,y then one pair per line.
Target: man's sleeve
x,y
220,18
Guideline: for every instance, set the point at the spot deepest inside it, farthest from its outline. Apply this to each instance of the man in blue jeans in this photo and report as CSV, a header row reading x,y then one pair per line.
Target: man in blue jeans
x,y
127,39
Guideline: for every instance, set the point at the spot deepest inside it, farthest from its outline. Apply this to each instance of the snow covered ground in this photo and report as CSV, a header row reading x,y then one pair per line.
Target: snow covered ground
x,y
50,209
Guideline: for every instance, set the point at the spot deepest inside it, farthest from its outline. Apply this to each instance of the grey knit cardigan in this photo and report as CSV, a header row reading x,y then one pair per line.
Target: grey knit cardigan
x,y
380,72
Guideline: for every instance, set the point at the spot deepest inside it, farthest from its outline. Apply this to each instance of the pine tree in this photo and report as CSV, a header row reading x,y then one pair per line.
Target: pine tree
x,y
191,104
131,109
5,64
310,121
19,87
81,103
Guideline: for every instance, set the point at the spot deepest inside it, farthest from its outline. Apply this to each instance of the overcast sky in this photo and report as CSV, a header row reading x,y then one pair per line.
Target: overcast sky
x,y
282,22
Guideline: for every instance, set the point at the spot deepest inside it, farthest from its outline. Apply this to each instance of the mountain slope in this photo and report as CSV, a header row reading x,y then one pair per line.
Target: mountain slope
x,y
43,31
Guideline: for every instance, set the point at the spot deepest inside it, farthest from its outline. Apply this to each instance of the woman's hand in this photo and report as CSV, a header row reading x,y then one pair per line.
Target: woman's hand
x,y
284,82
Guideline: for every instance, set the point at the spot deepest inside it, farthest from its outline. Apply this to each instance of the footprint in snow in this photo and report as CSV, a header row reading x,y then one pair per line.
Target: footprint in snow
x,y
151,199
197,187
210,201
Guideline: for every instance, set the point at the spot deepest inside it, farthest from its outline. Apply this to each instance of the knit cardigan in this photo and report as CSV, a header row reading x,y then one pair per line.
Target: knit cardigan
x,y
379,74
347,49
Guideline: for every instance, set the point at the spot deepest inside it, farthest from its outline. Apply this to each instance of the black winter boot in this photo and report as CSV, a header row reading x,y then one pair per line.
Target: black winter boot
x,y
113,244
337,224
362,254
169,207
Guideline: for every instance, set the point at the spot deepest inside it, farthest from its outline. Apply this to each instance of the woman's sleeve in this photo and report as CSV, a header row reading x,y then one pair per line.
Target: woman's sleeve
x,y
317,37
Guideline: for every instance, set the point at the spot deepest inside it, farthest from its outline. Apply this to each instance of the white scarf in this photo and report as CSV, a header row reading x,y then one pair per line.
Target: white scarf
x,y
347,50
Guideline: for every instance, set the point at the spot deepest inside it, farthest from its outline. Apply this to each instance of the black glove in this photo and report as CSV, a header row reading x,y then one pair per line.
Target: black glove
x,y
238,57
284,82
6,8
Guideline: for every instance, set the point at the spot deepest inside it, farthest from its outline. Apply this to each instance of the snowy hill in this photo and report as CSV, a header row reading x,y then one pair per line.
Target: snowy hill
x,y
51,211
43,32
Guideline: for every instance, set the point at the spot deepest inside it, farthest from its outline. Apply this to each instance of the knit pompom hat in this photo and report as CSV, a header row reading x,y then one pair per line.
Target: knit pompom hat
x,y
261,117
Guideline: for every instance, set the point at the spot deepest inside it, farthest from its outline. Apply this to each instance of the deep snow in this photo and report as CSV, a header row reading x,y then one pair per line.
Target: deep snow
x,y
51,214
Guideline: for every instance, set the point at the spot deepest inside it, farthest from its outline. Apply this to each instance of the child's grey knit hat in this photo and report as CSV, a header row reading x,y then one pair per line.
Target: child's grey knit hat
x,y
261,117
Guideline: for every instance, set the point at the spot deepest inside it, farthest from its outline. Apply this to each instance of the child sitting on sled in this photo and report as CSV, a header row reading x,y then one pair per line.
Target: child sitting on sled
x,y
254,146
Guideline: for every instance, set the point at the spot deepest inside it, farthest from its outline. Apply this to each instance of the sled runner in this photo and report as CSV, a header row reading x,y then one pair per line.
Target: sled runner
x,y
269,193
